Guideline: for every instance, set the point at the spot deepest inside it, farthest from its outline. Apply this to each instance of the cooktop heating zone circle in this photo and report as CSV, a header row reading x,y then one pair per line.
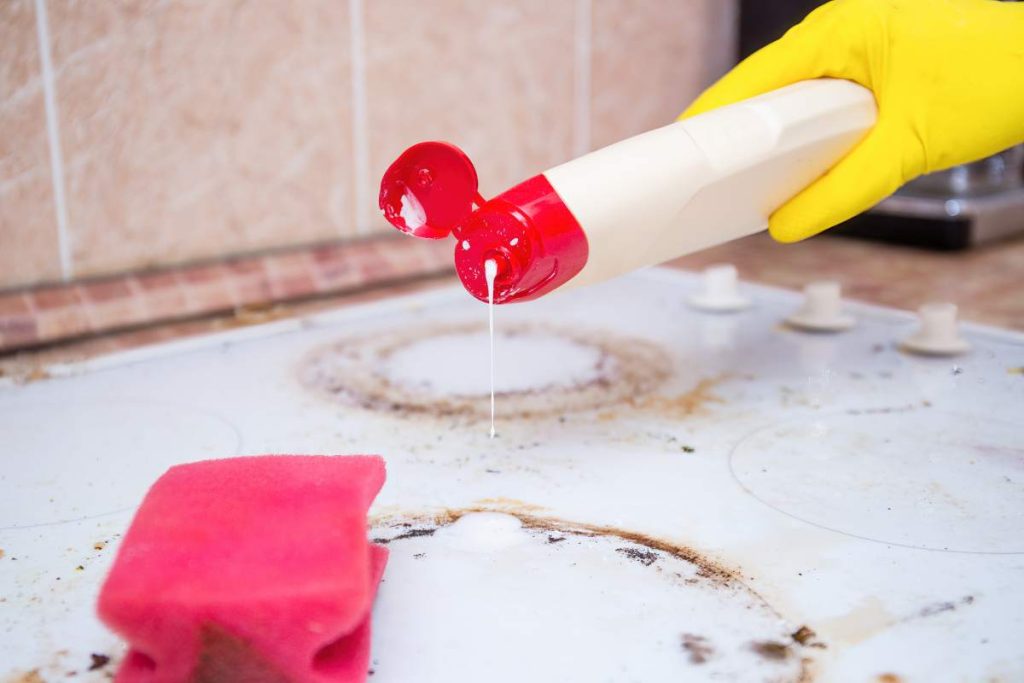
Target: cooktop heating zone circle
x,y
920,478
444,370
464,588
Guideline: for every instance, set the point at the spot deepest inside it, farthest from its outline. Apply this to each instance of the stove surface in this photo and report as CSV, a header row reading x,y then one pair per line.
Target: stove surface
x,y
673,495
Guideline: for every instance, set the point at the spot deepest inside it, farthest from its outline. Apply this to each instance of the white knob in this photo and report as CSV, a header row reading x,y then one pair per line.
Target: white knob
x,y
822,310
720,292
938,334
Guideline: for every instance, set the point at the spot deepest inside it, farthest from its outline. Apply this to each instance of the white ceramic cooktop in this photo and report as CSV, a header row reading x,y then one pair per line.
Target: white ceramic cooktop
x,y
673,495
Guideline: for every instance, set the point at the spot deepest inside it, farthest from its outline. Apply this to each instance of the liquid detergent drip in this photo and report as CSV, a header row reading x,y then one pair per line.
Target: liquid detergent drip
x,y
491,272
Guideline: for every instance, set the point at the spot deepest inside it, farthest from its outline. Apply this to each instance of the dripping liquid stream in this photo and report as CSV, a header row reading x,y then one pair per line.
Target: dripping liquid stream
x,y
490,272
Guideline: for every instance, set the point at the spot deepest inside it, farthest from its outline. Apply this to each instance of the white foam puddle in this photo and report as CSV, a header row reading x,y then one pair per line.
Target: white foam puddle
x,y
491,272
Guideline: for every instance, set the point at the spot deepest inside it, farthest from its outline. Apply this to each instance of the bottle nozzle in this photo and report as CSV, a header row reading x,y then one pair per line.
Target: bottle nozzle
x,y
430,191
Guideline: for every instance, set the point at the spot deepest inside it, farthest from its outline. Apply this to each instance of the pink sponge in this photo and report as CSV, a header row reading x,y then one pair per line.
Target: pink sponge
x,y
249,569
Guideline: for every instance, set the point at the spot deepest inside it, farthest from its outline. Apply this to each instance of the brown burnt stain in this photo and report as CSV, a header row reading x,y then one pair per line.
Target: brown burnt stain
x,y
32,676
888,678
696,400
707,569
803,635
938,608
348,371
38,373
502,504
644,557
25,372
698,648
256,314
771,650
411,533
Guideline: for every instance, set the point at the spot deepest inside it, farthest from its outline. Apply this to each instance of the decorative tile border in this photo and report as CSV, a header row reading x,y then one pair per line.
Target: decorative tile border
x,y
41,316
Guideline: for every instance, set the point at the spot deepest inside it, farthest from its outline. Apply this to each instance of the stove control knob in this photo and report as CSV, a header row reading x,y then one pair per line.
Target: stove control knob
x,y
822,310
720,293
938,334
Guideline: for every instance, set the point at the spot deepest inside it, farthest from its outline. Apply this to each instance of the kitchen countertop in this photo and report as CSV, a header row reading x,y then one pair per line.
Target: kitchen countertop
x,y
987,283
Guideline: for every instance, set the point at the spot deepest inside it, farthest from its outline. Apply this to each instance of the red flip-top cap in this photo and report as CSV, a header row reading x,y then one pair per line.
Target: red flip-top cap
x,y
528,231
429,190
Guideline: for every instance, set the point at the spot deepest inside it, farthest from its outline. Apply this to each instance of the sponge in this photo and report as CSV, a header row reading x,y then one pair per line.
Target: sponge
x,y
251,569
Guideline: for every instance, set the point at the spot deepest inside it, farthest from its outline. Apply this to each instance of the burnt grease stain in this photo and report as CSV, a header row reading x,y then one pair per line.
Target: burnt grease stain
x,y
646,547
940,607
414,533
806,637
627,369
697,647
707,569
644,557
771,650
692,402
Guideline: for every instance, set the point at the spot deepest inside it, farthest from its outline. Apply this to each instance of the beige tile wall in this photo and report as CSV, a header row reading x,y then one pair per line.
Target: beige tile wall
x,y
192,129
29,243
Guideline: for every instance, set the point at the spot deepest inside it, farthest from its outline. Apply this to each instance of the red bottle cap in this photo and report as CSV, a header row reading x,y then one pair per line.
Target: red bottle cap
x,y
429,190
529,232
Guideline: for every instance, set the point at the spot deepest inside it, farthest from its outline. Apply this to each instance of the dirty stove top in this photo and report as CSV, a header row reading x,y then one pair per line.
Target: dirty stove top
x,y
673,495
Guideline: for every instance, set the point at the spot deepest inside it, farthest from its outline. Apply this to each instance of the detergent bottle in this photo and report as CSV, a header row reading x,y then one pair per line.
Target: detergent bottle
x,y
686,186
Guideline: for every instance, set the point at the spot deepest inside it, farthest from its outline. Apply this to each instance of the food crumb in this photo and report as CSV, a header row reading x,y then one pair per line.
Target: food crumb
x,y
644,557
697,647
689,449
803,635
770,649
99,545
556,539
79,568
98,661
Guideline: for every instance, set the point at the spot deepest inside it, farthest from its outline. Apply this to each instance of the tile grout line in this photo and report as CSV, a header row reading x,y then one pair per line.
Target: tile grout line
x,y
581,77
53,137
360,126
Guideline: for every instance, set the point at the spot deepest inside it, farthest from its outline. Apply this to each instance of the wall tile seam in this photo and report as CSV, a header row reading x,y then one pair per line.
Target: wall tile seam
x,y
53,136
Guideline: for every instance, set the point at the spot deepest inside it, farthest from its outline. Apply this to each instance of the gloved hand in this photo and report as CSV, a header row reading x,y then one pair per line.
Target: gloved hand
x,y
948,77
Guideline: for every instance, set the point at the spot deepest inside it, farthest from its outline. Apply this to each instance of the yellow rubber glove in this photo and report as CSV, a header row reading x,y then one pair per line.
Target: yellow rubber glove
x,y
948,77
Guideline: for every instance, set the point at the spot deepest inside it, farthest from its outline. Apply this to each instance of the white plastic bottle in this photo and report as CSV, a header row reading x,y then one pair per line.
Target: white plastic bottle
x,y
653,197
